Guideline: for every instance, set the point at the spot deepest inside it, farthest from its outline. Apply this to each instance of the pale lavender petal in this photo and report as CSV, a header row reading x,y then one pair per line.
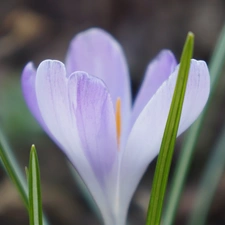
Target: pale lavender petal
x,y
29,92
146,135
95,121
157,72
52,99
97,131
78,111
99,54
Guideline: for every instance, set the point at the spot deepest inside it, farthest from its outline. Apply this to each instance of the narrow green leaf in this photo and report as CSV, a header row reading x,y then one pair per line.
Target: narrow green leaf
x,y
213,172
35,202
27,173
215,67
13,170
180,174
169,137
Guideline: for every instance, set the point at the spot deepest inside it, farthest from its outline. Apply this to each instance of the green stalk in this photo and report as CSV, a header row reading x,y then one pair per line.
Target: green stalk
x,y
212,174
34,184
215,67
13,170
169,137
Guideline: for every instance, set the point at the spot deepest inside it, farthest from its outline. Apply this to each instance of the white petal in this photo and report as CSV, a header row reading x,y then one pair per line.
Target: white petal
x,y
78,112
145,138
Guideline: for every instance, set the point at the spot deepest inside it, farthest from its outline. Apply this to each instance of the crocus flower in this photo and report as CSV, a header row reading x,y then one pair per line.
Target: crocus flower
x,y
85,107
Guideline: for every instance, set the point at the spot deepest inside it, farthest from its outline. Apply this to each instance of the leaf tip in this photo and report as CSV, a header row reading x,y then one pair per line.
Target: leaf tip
x,y
191,34
33,149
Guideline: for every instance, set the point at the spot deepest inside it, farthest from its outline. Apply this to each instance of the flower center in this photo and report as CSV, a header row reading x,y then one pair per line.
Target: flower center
x,y
118,121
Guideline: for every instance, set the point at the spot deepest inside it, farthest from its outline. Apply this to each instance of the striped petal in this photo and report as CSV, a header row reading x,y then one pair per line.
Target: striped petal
x,y
99,54
78,111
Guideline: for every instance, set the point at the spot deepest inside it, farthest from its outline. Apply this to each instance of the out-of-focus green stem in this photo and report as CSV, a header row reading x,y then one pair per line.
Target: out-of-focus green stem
x,y
216,63
212,174
14,172
215,66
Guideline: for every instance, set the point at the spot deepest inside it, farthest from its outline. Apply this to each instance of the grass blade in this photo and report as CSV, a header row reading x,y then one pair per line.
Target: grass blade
x,y
34,184
13,170
213,172
169,137
215,67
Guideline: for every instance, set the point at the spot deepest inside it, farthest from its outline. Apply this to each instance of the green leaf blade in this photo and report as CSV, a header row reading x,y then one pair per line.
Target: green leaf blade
x,y
35,201
169,137
209,183
215,67
13,170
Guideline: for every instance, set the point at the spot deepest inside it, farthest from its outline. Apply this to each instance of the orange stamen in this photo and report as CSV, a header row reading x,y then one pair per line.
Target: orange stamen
x,y
118,120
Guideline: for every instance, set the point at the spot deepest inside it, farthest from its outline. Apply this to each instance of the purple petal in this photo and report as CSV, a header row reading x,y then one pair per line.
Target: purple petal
x,y
78,111
29,92
157,72
146,135
97,131
52,99
95,121
99,54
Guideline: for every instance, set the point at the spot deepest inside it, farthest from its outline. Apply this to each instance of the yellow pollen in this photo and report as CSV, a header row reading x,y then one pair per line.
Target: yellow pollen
x,y
118,120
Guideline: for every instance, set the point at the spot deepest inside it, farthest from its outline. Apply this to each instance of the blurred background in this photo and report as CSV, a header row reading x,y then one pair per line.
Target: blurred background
x,y
34,30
